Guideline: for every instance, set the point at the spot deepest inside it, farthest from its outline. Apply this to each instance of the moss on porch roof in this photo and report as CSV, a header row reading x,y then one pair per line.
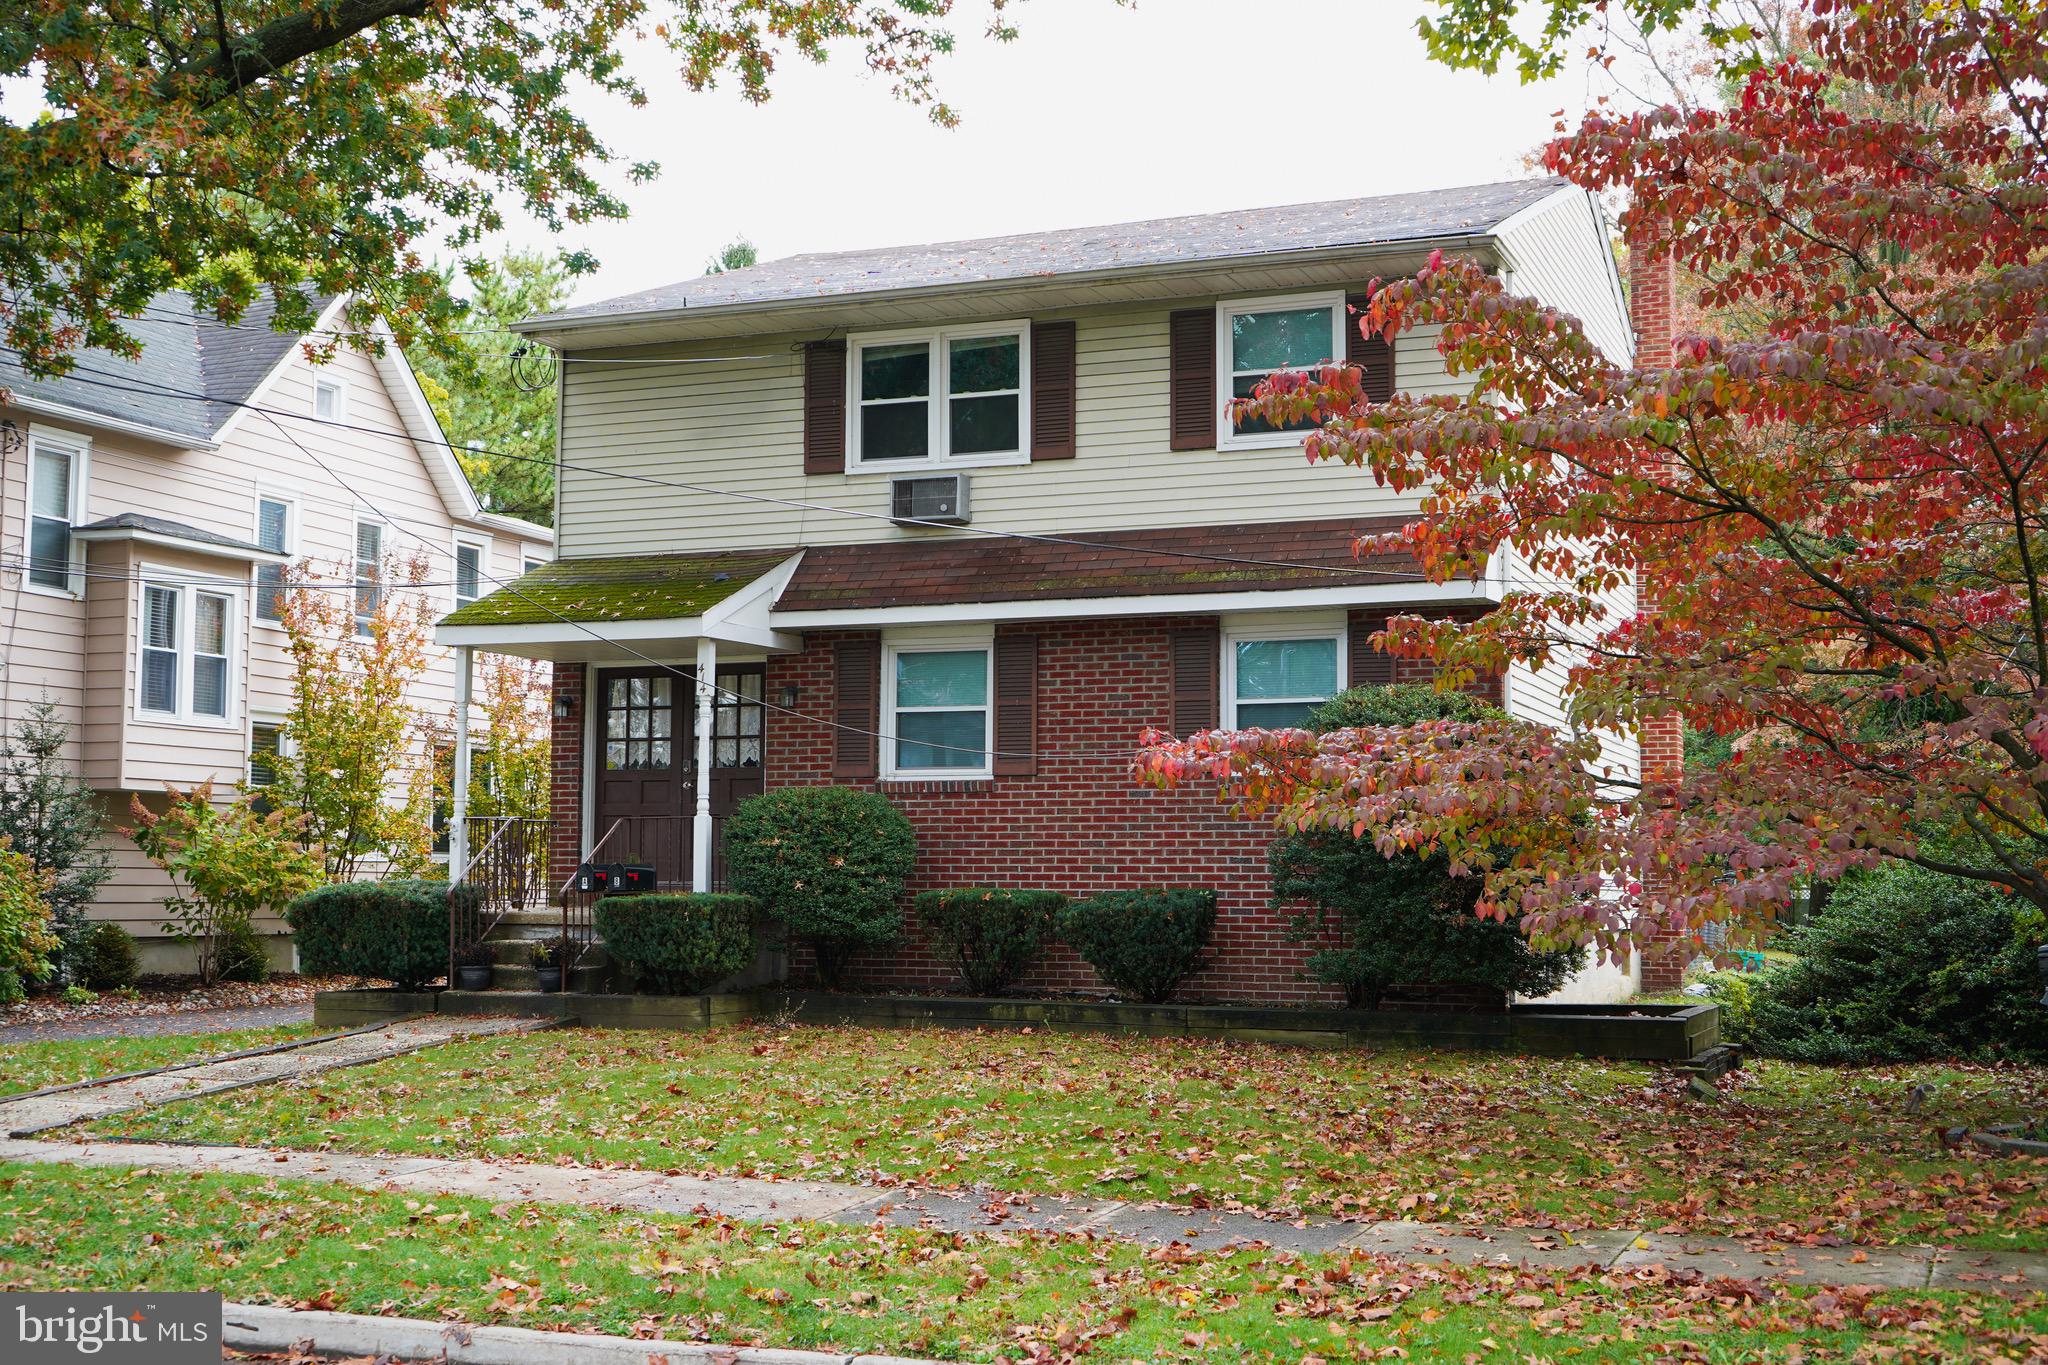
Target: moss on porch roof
x,y
627,588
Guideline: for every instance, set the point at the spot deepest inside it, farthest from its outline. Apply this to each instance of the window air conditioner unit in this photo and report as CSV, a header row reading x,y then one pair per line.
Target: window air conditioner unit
x,y
933,498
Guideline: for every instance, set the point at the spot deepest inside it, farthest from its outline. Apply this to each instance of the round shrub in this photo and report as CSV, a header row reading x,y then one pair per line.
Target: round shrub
x,y
992,934
1143,943
829,862
106,958
1379,921
1401,920
678,944
394,930
26,939
242,956
1905,964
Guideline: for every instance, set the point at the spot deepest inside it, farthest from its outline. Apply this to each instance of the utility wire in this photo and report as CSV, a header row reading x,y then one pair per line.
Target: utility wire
x,y
681,674
1074,542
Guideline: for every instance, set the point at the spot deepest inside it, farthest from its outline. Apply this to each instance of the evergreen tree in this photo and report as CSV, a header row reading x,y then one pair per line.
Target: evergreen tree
x,y
53,819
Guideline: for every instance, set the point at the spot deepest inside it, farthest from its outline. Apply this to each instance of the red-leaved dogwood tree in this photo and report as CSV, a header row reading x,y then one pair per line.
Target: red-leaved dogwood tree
x,y
1838,510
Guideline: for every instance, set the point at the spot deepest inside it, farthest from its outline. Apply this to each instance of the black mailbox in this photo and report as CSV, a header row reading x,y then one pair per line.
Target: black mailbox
x,y
615,879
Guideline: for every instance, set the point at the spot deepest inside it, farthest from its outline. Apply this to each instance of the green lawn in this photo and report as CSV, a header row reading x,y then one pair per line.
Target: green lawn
x,y
915,1292
1792,1152
31,1066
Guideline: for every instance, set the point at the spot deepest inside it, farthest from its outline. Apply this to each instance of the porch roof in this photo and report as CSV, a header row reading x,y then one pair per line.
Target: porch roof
x,y
1172,561
620,588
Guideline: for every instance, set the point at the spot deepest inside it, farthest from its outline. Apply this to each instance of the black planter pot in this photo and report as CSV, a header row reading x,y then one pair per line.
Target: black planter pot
x,y
550,978
468,978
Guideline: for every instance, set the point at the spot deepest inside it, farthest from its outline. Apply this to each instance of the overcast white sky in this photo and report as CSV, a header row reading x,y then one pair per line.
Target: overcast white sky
x,y
1097,113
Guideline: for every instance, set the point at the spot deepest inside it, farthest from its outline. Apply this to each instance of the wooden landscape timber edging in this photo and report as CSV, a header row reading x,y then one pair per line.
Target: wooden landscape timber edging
x,y
1650,1033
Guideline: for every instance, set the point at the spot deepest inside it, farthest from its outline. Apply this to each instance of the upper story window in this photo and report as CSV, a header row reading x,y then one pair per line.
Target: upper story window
x,y
1255,338
274,518
56,477
1274,676
532,564
369,574
952,396
185,653
330,399
469,570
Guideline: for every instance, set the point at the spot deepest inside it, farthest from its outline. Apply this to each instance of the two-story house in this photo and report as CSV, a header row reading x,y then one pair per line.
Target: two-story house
x,y
150,508
958,522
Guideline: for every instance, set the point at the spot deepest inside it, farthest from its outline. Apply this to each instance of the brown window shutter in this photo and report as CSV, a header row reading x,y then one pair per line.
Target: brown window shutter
x,y
1191,367
856,706
1016,705
1368,666
825,407
1052,390
1374,355
1195,658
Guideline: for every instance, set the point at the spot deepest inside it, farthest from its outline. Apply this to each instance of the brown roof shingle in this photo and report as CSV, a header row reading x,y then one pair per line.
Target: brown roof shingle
x,y
1271,556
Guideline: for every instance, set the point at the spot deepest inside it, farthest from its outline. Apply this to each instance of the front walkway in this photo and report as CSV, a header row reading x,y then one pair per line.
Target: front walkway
x,y
1152,1225
61,1106
159,1025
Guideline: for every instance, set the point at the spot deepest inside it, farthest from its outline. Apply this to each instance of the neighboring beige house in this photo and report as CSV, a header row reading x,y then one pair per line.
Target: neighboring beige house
x,y
147,504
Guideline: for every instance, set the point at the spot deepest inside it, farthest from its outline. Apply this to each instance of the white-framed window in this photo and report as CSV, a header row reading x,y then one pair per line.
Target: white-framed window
x,y
1256,337
267,743
56,497
472,553
277,526
532,564
186,652
1275,673
330,398
937,707
369,573
939,397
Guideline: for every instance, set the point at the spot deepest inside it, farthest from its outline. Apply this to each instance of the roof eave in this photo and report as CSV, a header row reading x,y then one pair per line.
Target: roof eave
x,y
549,327
64,412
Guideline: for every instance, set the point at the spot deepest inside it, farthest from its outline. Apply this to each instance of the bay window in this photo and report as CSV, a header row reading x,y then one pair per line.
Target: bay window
x,y
1256,338
936,704
186,652
939,397
1274,676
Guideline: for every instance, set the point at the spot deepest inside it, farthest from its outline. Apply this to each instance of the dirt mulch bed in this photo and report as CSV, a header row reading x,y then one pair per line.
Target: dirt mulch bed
x,y
176,995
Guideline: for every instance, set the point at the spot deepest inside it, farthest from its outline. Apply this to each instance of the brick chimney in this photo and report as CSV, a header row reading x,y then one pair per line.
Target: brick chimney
x,y
1652,306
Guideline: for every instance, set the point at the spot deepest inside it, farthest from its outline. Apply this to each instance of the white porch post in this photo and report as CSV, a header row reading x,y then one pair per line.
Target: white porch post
x,y
700,826
458,806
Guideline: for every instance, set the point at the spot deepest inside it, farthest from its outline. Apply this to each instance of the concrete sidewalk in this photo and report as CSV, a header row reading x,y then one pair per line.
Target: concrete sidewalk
x,y
1151,1225
254,1327
26,1115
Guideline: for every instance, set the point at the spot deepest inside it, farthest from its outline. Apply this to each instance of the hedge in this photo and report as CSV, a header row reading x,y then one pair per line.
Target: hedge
x,y
679,944
396,930
1143,943
829,862
992,934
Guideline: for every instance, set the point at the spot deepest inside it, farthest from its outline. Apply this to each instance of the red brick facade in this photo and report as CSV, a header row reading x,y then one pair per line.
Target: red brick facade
x,y
1080,824
565,758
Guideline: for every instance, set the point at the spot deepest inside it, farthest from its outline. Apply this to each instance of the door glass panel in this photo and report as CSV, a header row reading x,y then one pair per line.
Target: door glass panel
x,y
736,711
639,725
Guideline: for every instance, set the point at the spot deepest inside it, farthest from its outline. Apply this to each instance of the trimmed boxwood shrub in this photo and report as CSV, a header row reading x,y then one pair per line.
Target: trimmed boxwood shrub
x,y
1374,921
678,944
1903,964
394,930
991,933
829,862
106,958
1143,943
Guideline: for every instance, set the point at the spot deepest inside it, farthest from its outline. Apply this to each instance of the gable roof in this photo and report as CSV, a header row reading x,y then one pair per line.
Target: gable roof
x,y
185,350
1158,242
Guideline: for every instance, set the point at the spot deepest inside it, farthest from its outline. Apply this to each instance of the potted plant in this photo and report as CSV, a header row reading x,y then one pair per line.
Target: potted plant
x,y
473,967
550,959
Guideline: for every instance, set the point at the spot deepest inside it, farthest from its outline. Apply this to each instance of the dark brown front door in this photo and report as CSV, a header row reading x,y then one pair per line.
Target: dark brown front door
x,y
643,770
647,746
